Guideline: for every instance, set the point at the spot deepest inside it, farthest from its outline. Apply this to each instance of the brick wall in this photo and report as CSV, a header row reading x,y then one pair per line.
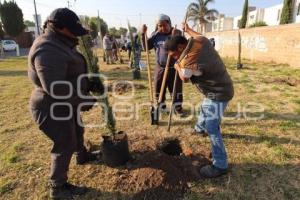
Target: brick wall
x,y
279,44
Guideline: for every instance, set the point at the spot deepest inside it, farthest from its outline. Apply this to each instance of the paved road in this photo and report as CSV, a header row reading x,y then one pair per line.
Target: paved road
x,y
23,52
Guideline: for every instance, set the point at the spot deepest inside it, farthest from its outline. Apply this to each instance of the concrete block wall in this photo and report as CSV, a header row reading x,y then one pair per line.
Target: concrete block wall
x,y
279,44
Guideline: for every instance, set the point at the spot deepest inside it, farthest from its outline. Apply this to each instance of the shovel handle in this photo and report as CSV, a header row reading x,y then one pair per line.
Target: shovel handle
x,y
173,99
174,86
149,70
163,85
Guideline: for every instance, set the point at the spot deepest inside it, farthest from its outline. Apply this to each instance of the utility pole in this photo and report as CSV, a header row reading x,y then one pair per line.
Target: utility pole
x,y
100,33
36,19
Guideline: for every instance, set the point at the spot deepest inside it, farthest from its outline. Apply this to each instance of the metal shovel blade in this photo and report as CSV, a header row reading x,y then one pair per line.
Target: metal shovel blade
x,y
154,115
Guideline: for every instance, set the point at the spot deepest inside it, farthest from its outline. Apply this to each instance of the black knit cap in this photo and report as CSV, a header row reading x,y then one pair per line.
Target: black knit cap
x,y
66,18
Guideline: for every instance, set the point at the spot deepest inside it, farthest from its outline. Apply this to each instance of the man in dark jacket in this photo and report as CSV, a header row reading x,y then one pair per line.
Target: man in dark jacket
x,y
157,40
55,69
200,63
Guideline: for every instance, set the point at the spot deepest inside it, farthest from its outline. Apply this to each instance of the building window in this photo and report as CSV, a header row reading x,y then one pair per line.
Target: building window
x,y
252,17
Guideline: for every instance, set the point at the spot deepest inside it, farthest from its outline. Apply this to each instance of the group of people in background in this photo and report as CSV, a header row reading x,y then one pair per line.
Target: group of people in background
x,y
133,48
110,47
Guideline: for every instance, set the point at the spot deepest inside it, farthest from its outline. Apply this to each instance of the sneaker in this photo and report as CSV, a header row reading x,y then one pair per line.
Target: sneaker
x,y
86,157
60,192
179,113
164,110
210,171
202,133
75,190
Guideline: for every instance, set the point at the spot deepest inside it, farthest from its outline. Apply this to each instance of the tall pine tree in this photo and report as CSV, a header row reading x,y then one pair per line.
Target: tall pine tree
x,y
244,19
287,12
85,46
12,18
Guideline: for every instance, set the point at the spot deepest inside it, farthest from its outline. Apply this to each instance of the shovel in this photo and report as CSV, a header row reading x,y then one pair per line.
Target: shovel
x,y
154,120
174,88
163,85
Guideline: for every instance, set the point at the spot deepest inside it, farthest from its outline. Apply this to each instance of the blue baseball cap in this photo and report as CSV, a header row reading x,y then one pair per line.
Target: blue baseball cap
x,y
66,18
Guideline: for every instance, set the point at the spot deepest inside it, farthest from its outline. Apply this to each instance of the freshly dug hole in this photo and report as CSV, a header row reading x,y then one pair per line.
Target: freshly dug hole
x,y
171,147
153,173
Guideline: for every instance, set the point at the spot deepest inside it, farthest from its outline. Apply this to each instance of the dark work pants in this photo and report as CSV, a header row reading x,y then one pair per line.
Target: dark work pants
x,y
158,78
67,138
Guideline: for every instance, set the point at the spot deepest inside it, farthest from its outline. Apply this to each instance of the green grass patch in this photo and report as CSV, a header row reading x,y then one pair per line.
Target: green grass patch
x,y
6,187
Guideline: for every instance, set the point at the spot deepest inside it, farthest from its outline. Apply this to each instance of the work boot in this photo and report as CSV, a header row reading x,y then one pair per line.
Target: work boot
x,y
60,192
75,190
179,113
210,171
164,109
193,131
202,133
86,157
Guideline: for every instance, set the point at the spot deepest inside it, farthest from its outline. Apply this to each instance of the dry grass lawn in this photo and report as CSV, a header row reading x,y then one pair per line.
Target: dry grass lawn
x,y
264,154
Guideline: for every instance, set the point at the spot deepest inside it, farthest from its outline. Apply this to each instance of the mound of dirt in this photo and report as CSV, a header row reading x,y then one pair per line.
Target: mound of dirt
x,y
153,174
122,87
157,175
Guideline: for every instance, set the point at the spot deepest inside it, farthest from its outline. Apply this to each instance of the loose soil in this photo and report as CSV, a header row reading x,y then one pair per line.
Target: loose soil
x,y
122,87
158,169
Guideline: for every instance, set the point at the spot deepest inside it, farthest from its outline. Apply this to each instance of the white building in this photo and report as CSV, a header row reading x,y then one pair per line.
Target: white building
x,y
236,21
222,23
256,15
296,11
253,16
271,16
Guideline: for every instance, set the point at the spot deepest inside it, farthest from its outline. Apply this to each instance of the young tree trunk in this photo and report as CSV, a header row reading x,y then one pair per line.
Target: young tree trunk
x,y
239,62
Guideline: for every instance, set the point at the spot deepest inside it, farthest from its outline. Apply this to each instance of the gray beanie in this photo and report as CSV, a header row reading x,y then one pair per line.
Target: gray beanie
x,y
163,17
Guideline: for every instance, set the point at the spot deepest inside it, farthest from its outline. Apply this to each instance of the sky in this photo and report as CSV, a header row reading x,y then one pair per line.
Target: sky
x,y
138,12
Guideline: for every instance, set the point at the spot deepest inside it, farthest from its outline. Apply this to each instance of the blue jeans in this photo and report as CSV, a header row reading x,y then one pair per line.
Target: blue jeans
x,y
209,120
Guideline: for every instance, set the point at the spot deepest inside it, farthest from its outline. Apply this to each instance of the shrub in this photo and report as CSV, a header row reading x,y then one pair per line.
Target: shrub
x,y
258,24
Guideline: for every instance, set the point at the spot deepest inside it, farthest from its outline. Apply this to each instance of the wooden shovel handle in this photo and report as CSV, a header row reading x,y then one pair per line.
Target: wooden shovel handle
x,y
163,85
174,87
149,70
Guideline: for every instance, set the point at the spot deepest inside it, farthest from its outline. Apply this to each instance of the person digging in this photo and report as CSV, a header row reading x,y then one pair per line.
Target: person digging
x,y
200,63
157,40
54,67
